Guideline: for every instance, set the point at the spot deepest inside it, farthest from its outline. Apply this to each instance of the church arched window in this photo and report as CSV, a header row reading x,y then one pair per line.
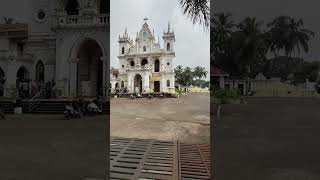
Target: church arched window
x,y
122,51
168,46
104,7
144,48
168,83
72,7
156,66
144,62
132,63
122,84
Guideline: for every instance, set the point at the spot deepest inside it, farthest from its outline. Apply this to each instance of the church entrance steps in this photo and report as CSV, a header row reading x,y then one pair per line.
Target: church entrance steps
x,y
145,95
154,159
7,107
56,106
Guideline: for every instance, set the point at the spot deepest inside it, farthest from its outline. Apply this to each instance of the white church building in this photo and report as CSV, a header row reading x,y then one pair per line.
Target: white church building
x,y
145,66
64,40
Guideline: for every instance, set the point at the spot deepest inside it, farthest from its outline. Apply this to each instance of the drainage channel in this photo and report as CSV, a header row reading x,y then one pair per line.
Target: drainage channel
x,y
194,161
147,159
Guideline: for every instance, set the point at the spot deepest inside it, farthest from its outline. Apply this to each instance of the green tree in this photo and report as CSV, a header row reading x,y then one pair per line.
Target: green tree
x,y
297,37
277,37
221,32
251,44
200,72
197,10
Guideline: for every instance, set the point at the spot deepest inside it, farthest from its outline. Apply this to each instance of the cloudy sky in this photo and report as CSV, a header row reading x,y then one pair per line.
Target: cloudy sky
x,y
192,43
17,9
268,9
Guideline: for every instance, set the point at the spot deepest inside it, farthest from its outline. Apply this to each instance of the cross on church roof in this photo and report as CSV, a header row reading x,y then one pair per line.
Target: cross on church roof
x,y
145,20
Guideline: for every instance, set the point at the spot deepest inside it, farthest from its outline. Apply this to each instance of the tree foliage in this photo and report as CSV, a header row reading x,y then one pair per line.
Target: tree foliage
x,y
242,49
188,76
197,10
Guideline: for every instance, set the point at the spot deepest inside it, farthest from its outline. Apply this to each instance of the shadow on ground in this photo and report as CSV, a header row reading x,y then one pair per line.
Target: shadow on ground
x,y
45,147
268,139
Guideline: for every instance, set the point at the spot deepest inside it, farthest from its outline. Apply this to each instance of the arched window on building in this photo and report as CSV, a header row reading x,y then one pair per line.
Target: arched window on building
x,y
132,63
144,48
156,66
168,83
122,51
40,71
144,62
168,47
72,7
104,7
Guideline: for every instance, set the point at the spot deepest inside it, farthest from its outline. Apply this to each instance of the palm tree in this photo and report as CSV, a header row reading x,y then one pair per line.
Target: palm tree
x,y
277,37
252,44
297,37
197,10
187,76
199,72
221,31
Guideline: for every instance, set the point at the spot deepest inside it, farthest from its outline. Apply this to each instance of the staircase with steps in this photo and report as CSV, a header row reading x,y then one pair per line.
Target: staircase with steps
x,y
48,106
7,107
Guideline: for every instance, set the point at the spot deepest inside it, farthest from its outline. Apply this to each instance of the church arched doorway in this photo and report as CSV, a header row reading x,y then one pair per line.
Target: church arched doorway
x,y
138,83
90,69
22,82
40,71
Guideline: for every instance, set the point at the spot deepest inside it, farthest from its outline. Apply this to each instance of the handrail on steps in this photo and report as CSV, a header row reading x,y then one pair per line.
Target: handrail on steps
x,y
33,103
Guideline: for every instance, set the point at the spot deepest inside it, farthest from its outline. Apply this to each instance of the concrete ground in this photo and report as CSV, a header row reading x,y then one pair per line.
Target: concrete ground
x,y
186,119
268,139
46,147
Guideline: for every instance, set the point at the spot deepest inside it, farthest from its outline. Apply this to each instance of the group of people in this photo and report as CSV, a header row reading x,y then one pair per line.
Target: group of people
x,y
23,89
36,87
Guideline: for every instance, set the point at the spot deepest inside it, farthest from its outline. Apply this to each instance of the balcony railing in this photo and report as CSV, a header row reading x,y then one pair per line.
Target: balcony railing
x,y
15,55
138,67
82,20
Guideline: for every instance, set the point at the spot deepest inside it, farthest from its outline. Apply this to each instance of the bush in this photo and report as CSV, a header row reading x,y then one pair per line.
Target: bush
x,y
224,96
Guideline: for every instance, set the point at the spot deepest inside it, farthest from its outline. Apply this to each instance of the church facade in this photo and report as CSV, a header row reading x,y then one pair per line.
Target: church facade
x,y
63,40
145,66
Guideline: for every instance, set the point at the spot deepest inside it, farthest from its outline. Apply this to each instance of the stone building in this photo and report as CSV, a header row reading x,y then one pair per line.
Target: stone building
x,y
64,40
144,65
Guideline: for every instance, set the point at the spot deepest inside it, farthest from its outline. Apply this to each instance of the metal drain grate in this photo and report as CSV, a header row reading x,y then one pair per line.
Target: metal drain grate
x,y
194,161
143,159
147,159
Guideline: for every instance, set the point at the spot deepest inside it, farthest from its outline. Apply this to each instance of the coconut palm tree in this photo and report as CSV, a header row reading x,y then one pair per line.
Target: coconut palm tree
x,y
221,31
297,39
252,44
200,72
197,10
276,37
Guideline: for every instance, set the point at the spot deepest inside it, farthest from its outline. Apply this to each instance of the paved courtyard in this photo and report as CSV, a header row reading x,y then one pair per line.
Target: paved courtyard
x,y
46,147
185,119
269,139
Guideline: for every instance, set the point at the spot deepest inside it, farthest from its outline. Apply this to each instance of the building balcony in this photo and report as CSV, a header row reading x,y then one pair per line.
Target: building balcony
x,y
137,67
76,21
15,55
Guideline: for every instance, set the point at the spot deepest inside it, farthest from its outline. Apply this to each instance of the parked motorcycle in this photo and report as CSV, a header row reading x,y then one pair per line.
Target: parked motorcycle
x,y
70,113
92,108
